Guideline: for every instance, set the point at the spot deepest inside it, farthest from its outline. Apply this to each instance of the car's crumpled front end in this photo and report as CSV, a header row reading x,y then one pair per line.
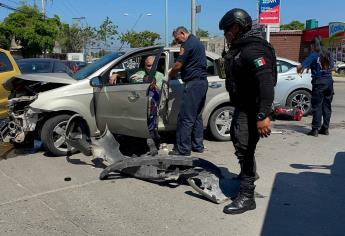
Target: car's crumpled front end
x,y
22,118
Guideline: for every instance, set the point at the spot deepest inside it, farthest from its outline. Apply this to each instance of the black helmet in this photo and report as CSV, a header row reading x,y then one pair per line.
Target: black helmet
x,y
238,16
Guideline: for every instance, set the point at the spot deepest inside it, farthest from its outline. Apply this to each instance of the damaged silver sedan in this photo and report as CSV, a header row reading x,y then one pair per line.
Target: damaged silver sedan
x,y
24,89
40,108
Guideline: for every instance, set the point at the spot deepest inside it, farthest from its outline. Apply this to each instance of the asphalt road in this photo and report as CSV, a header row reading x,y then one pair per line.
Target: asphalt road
x,y
300,191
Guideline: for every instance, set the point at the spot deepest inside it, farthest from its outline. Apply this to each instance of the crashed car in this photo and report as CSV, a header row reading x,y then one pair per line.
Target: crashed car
x,y
122,107
24,90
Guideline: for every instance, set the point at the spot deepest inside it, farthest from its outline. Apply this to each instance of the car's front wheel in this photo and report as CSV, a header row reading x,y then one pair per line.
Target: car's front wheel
x,y
341,71
53,135
300,99
220,122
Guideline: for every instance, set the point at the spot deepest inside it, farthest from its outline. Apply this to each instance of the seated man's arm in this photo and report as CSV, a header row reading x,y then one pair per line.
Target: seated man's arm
x,y
137,77
159,79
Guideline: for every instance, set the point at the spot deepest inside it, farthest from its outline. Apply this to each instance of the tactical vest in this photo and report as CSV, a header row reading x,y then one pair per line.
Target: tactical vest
x,y
230,57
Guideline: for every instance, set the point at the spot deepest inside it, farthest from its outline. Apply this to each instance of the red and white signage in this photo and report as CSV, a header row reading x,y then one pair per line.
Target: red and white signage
x,y
269,12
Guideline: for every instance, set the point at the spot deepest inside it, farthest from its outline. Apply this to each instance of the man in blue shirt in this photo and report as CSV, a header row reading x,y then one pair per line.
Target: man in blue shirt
x,y
192,64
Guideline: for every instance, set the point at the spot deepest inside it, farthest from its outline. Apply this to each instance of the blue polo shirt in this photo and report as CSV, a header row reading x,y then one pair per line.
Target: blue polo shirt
x,y
193,58
313,61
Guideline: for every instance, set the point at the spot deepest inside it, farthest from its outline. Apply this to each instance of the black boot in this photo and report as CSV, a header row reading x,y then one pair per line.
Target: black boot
x,y
324,131
242,203
245,201
313,132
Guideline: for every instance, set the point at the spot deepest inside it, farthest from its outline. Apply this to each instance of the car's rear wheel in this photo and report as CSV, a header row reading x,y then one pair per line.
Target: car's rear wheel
x,y
300,99
220,122
53,135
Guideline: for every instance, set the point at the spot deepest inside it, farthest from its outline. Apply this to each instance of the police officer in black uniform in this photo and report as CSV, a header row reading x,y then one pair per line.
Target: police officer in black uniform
x,y
192,64
250,67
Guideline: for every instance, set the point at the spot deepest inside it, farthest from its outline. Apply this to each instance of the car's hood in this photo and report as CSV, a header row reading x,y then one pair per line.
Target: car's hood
x,y
56,78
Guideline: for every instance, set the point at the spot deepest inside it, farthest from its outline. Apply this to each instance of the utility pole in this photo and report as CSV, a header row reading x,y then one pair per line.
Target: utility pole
x,y
193,14
44,8
166,23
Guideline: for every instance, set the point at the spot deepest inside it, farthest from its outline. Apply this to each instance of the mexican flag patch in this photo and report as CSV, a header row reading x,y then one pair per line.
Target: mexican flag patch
x,y
259,62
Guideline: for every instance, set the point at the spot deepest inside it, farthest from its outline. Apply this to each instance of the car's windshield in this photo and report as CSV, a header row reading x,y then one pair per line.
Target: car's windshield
x,y
94,66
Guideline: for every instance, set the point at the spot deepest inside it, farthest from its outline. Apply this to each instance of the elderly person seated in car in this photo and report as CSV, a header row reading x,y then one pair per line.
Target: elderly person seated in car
x,y
140,75
154,96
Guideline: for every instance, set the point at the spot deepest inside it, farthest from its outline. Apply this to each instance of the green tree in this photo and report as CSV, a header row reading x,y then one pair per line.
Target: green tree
x,y
139,39
32,31
200,33
74,39
293,25
5,41
107,30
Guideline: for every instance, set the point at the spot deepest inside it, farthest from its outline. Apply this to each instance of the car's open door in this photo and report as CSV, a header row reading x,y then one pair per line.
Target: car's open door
x,y
123,107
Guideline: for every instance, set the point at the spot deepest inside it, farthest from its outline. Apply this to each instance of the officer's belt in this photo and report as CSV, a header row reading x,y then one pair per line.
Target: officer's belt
x,y
195,79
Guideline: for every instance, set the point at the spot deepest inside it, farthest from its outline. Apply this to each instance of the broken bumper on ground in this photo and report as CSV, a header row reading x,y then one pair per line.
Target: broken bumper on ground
x,y
201,174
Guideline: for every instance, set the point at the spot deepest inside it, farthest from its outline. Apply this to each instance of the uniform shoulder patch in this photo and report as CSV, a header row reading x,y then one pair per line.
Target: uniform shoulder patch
x,y
258,62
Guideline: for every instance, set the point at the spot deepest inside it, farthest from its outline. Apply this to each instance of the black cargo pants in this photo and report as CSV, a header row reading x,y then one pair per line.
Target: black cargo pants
x,y
322,96
245,136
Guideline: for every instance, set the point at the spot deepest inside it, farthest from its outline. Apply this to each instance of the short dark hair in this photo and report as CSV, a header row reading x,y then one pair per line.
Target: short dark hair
x,y
180,29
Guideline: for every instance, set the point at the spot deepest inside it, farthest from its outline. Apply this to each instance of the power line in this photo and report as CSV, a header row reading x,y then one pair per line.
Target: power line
x,y
68,8
13,2
73,8
9,7
15,9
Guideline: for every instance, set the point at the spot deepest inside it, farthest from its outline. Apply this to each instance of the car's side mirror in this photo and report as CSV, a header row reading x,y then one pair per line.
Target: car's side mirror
x,y
96,82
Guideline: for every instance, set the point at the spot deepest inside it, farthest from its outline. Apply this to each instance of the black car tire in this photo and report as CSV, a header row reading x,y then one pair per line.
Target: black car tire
x,y
49,135
219,116
341,71
297,96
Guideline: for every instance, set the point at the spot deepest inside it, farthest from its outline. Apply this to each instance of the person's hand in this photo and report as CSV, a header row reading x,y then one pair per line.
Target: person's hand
x,y
153,84
299,69
136,78
264,127
112,79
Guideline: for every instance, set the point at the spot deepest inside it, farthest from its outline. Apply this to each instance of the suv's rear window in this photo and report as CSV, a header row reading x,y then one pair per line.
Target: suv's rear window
x,y
5,64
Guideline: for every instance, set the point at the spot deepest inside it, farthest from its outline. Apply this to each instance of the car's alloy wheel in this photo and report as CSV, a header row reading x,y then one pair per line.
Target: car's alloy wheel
x,y
53,135
341,71
220,122
300,99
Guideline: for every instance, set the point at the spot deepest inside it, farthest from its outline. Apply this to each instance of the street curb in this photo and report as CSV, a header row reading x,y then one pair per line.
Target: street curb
x,y
338,79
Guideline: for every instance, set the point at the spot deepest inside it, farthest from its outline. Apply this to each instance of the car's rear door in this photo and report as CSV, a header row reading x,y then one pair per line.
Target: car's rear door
x,y
123,107
287,77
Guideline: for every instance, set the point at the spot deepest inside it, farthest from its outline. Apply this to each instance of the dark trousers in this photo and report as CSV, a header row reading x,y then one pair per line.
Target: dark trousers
x,y
190,130
322,96
245,136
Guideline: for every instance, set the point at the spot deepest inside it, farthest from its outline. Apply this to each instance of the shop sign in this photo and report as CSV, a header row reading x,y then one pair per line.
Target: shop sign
x,y
335,28
269,12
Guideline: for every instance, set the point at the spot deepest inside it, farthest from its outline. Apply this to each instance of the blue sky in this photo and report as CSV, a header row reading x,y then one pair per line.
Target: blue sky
x,y
95,11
